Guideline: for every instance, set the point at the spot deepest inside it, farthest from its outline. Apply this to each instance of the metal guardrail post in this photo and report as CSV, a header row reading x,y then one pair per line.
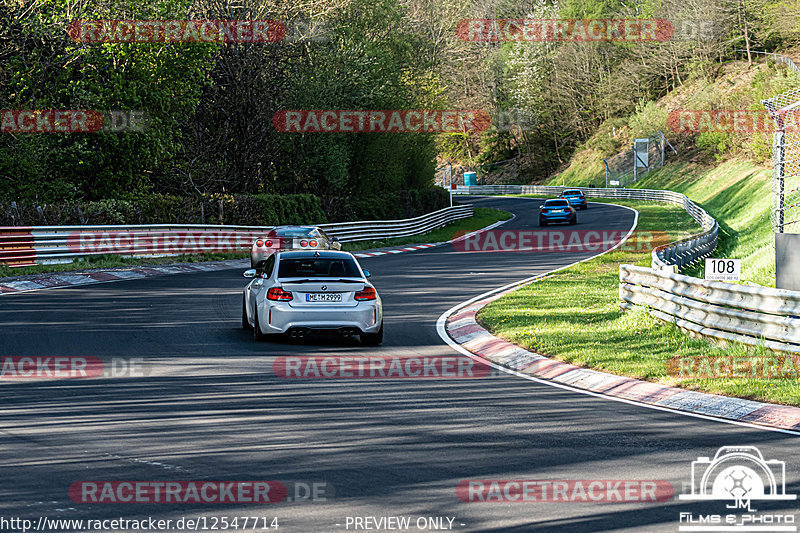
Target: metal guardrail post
x,y
779,159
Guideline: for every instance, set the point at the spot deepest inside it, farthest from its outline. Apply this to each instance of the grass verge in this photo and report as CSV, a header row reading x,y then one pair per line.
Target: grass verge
x,y
481,218
573,316
736,193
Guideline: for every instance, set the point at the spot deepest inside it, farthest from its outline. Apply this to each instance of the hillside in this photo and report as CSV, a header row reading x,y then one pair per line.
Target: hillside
x,y
728,174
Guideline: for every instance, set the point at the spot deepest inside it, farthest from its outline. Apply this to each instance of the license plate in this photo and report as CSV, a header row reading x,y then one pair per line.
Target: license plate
x,y
558,211
323,297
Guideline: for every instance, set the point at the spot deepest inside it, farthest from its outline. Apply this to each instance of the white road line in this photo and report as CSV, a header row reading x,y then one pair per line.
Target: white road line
x,y
442,331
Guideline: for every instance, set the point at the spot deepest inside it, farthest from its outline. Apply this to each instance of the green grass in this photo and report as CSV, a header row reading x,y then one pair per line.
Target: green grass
x,y
736,193
481,218
574,316
585,168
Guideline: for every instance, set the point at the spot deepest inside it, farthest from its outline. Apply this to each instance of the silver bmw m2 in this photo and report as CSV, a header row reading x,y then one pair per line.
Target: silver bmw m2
x,y
303,292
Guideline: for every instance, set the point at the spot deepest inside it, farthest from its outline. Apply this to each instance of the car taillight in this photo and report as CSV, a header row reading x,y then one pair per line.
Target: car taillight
x,y
259,243
268,244
276,293
367,294
313,244
303,243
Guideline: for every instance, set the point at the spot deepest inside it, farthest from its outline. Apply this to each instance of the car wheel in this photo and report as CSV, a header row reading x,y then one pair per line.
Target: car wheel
x,y
573,221
257,333
372,339
542,223
245,323
585,207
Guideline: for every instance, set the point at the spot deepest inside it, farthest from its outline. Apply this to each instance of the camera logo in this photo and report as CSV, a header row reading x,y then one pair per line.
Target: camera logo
x,y
738,473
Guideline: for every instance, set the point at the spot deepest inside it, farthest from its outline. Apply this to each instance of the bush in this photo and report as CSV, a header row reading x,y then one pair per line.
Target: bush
x,y
714,143
401,204
230,209
648,118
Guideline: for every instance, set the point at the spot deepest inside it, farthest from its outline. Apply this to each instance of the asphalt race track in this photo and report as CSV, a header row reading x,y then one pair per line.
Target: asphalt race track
x,y
209,407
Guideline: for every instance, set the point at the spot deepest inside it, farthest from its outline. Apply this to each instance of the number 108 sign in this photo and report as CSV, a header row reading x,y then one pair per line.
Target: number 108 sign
x,y
723,269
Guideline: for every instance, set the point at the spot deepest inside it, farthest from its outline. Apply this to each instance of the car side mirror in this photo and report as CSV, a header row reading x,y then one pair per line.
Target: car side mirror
x,y
250,273
367,273
541,207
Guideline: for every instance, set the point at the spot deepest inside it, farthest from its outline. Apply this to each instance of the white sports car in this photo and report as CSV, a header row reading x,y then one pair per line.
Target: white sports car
x,y
300,292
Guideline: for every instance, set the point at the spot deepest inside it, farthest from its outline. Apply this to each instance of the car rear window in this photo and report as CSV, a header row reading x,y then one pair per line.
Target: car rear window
x,y
572,193
556,203
318,267
295,232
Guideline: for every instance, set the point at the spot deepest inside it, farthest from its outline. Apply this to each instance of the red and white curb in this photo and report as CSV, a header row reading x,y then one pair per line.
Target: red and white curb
x,y
458,328
69,279
397,250
464,330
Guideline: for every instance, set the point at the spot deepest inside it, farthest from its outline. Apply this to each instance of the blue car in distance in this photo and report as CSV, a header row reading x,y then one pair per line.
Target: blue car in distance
x,y
557,210
575,198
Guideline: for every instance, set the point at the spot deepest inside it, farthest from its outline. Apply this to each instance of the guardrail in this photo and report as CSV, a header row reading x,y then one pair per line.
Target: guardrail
x,y
778,58
676,254
24,246
374,230
757,316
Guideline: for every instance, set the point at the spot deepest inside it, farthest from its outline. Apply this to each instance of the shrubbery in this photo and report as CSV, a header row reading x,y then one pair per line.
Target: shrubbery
x,y
230,209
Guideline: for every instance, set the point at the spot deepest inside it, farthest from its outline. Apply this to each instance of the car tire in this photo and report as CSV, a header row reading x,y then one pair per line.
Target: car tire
x,y
573,221
258,335
372,339
542,223
585,207
245,323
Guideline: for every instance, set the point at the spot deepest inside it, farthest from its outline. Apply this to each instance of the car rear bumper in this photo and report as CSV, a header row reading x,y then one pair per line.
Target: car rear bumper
x,y
280,317
556,218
